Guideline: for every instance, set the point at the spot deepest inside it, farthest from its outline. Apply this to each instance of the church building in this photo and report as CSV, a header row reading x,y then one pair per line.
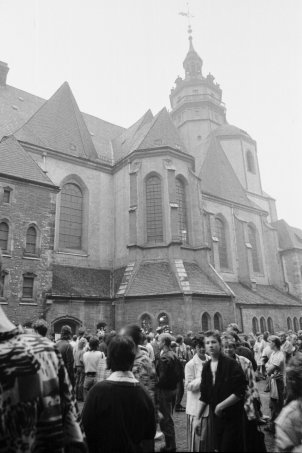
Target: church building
x,y
163,222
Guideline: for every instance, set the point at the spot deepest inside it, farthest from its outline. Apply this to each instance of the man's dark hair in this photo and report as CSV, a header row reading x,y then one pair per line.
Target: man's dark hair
x,y
179,339
235,336
198,340
135,332
166,338
66,333
40,326
265,335
121,353
276,340
215,334
94,343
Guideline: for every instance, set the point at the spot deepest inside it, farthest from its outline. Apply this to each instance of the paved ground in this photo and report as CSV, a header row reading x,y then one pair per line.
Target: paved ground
x,y
180,422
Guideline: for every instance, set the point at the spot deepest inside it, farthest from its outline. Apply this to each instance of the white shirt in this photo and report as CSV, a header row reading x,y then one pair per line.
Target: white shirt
x,y
193,371
92,360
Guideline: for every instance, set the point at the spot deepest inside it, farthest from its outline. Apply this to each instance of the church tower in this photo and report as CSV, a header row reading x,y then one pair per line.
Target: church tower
x,y
196,102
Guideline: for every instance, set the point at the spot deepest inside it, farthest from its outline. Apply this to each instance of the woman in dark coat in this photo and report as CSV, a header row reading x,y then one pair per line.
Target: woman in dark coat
x,y
222,388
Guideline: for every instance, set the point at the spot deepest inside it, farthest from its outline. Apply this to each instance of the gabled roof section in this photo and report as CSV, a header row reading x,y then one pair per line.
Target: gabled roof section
x,y
153,278
18,106
128,141
59,125
69,281
218,177
162,132
264,295
16,162
200,283
289,237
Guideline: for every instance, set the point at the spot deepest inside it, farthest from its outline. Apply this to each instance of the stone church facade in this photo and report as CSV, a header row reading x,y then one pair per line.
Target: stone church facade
x,y
166,220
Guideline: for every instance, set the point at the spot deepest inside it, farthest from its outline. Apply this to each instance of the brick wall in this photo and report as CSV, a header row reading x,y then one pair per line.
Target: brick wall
x,y
29,204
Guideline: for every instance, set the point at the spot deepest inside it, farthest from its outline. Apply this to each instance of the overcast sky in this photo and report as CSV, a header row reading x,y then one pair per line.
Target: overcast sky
x,y
121,58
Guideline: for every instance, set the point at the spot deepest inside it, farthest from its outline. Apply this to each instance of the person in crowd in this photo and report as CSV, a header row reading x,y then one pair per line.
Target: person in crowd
x,y
102,344
79,369
258,348
243,350
252,402
92,360
38,412
149,347
65,348
40,327
275,370
168,371
223,386
188,338
155,346
288,423
193,371
181,352
118,415
233,327
173,346
286,346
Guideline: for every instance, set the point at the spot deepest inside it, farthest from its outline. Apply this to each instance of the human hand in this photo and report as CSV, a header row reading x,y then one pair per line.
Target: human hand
x,y
197,426
218,410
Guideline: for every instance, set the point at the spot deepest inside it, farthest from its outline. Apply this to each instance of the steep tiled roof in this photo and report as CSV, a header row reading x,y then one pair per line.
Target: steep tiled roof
x,y
153,278
18,106
16,162
218,177
162,132
264,295
59,125
80,282
229,129
289,237
200,282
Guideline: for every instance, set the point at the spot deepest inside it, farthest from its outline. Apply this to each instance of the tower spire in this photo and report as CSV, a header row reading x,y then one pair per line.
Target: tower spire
x,y
192,63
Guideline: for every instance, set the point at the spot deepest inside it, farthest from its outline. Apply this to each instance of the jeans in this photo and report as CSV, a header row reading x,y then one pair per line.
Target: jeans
x,y
166,406
89,382
79,382
180,393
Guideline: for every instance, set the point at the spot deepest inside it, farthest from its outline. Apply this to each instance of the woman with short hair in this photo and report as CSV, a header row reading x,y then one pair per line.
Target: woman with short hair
x,y
118,415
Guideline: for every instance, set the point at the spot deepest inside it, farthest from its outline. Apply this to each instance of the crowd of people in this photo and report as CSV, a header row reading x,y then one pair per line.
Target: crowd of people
x,y
130,383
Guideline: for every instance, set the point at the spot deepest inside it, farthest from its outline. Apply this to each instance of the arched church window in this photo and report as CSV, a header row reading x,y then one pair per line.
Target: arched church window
x,y
250,162
252,236
296,324
146,323
262,324
31,241
163,321
289,324
71,217
182,211
222,244
205,322
255,325
154,210
218,322
4,230
270,325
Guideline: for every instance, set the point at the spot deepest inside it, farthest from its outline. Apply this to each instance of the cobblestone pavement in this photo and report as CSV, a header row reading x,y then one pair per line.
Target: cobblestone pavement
x,y
180,422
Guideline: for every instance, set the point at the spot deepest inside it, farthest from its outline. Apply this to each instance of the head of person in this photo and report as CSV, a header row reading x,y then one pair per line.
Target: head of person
x,y
74,338
228,343
135,332
282,336
179,339
66,333
173,346
150,337
235,336
266,334
82,343
213,343
41,327
294,377
259,338
81,332
94,343
165,340
198,344
233,327
275,342
190,334
121,353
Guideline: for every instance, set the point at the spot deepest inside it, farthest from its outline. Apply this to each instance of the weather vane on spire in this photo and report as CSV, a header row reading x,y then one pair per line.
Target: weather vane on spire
x,y
189,16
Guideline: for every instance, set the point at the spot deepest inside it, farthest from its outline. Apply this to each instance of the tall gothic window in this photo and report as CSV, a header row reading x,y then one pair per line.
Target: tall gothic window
x,y
255,325
205,322
4,236
154,210
218,322
270,325
182,211
220,228
252,235
296,324
262,324
71,217
31,240
250,162
289,324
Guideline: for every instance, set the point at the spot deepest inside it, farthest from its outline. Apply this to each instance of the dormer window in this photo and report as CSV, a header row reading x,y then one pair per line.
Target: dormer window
x,y
250,162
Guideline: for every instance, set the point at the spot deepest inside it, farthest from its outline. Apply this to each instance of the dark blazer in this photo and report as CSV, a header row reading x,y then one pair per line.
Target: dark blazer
x,y
230,379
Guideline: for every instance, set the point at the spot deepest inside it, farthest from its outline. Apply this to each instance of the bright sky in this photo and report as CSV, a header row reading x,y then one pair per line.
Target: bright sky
x,y
121,58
